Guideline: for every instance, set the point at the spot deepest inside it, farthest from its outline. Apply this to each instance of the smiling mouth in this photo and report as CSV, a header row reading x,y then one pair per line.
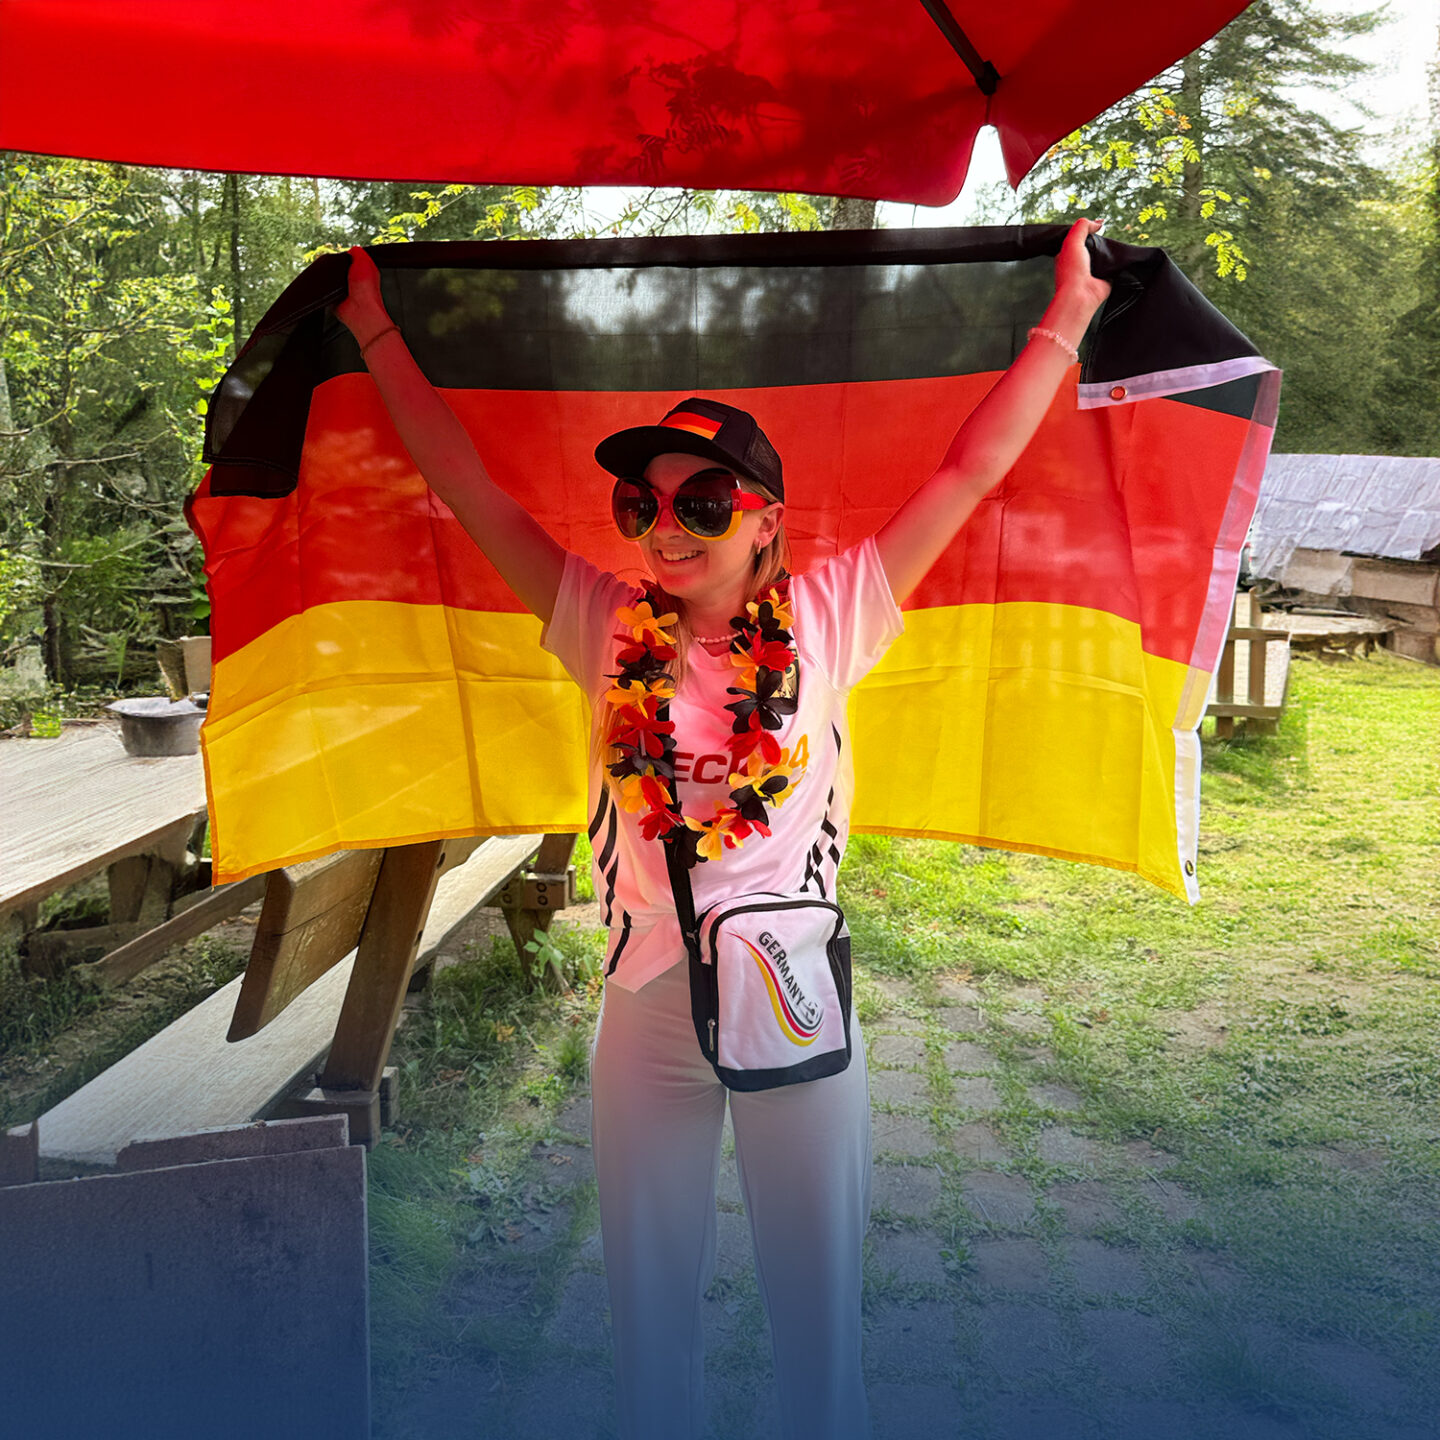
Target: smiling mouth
x,y
675,557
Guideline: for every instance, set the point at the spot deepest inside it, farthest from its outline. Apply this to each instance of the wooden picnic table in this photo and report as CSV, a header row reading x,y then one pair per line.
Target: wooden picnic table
x,y
78,804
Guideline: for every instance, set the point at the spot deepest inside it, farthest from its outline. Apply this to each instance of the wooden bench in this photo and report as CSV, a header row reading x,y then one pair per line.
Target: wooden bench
x,y
338,943
1250,684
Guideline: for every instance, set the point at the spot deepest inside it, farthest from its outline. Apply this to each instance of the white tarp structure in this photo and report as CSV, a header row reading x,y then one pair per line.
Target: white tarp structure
x,y
1380,505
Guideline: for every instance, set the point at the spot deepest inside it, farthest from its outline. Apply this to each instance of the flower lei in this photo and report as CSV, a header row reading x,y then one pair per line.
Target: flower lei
x,y
640,732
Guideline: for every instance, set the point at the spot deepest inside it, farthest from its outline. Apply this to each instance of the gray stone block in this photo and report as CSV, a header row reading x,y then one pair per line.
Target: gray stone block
x,y
1003,1202
977,1092
912,1257
902,1135
897,1050
1104,1270
961,1019
1058,1146
957,992
1056,1097
915,1411
232,1142
1088,1205
1021,1342
978,1142
912,1340
1011,1265
898,1087
905,1189
226,1299
966,1055
1131,1349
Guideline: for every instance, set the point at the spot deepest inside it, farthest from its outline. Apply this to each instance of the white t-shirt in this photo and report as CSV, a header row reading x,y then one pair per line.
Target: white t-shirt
x,y
845,618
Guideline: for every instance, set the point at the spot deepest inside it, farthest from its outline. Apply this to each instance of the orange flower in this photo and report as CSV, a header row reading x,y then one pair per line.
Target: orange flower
x,y
637,692
774,783
780,608
718,834
645,625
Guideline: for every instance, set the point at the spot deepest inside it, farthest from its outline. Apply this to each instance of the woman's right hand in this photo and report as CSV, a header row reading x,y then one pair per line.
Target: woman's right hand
x,y
362,311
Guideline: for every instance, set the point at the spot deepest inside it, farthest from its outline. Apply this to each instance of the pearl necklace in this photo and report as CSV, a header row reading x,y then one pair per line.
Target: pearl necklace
x,y
714,639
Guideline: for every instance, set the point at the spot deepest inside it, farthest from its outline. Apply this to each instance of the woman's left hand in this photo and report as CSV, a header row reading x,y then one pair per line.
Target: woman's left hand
x,y
1073,278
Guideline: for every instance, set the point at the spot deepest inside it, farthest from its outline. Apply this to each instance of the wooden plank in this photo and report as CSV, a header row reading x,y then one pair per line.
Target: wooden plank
x,y
393,931
312,918
1225,676
210,910
75,804
189,1078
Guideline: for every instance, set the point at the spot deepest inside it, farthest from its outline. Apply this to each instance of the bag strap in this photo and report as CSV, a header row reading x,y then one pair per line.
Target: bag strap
x,y
684,900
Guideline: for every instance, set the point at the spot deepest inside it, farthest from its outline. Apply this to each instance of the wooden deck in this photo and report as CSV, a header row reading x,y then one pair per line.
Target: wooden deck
x,y
73,805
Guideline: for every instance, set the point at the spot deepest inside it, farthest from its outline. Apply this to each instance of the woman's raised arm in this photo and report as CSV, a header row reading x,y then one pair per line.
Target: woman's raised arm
x,y
997,431
529,560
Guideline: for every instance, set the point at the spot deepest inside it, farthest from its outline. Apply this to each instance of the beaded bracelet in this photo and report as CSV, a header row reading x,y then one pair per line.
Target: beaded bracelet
x,y
1060,340
379,335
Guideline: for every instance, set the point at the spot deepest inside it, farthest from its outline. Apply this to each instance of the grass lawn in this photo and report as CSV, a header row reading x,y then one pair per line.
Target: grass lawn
x,y
1250,1082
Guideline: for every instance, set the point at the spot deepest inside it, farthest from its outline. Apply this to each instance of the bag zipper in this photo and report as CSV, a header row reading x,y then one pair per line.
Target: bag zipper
x,y
712,1037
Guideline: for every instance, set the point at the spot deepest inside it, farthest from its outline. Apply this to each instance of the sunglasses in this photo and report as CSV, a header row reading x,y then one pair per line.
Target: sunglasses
x,y
708,505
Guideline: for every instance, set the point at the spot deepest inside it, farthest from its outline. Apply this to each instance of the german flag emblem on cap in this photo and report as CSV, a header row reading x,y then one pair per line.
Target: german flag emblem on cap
x,y
701,425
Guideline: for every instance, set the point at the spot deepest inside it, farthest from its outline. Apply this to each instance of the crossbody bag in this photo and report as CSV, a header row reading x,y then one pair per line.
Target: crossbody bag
x,y
770,984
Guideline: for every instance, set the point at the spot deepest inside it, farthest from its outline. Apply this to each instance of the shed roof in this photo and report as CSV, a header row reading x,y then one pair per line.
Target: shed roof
x,y
1382,505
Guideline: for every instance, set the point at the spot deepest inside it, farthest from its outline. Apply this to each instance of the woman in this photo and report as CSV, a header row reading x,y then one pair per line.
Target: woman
x,y
702,494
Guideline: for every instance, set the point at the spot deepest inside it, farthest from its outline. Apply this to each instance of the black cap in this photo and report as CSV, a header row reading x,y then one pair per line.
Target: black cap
x,y
701,427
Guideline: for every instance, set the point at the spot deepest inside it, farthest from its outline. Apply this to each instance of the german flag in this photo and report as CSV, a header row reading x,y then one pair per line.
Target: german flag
x,y
376,682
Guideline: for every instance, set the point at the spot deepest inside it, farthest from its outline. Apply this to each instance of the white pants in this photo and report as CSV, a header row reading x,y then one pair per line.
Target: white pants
x,y
803,1154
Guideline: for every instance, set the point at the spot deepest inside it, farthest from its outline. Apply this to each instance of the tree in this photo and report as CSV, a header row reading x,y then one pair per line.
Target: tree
x,y
1270,207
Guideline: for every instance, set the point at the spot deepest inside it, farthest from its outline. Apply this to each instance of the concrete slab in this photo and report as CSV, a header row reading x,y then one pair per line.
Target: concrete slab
x,y
1004,1202
1089,1206
914,1411
1021,1342
1019,1417
903,1135
961,1019
1011,1265
912,1340
967,1055
897,1050
1132,1349
232,1142
957,992
913,1257
178,1301
1104,1270
1148,1419
905,1189
1051,1096
898,1087
977,1092
978,1142
1059,1146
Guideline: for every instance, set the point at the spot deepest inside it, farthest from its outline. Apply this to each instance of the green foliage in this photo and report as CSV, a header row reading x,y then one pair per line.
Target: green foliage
x,y
1274,212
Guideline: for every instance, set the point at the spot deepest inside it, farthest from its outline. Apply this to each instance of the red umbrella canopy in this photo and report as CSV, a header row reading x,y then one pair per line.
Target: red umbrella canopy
x,y
878,98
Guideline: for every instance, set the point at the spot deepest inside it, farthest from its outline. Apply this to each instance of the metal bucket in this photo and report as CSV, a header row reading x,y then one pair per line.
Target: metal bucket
x,y
154,725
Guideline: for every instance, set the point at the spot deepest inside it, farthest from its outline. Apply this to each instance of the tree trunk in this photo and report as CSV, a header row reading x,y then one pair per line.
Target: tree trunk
x,y
852,214
232,194
1192,179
